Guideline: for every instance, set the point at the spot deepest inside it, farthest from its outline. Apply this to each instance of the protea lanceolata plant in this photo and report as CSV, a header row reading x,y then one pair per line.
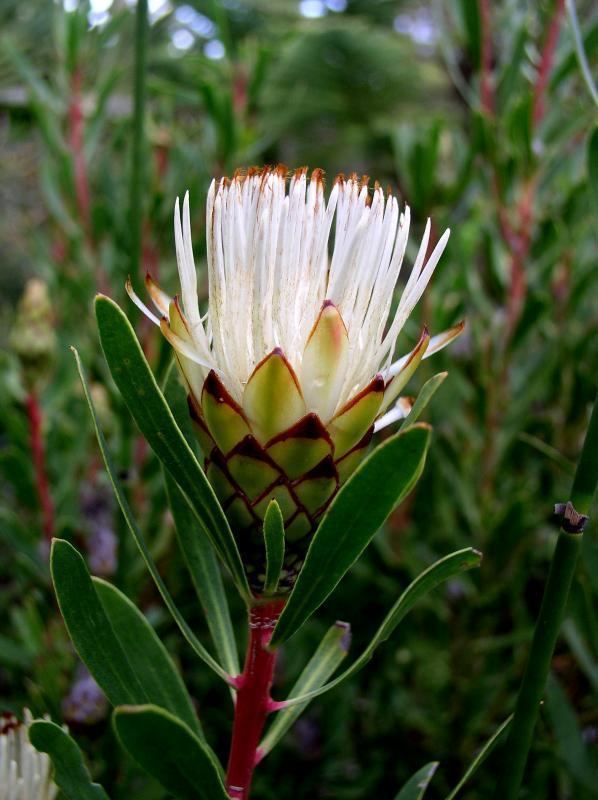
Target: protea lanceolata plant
x,y
289,372
293,366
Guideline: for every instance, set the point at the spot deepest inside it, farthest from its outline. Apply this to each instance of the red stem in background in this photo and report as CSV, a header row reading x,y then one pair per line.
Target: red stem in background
x,y
516,231
518,236
486,86
38,454
76,136
546,60
253,699
76,122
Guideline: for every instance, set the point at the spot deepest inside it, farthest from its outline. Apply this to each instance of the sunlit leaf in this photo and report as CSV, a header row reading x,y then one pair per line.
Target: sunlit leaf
x,y
146,654
331,651
357,512
444,569
147,405
140,541
205,574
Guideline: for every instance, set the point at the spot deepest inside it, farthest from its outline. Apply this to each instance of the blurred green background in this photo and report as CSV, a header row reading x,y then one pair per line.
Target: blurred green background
x,y
479,115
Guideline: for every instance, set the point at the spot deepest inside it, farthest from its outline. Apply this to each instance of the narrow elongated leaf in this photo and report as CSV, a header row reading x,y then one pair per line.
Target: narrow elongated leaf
x,y
331,651
274,542
581,651
416,786
570,744
593,167
205,573
480,758
146,654
89,627
357,512
168,750
139,540
423,398
70,773
113,638
442,570
136,383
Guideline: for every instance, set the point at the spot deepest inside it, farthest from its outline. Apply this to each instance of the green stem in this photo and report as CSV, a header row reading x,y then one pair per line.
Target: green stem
x,y
548,624
137,160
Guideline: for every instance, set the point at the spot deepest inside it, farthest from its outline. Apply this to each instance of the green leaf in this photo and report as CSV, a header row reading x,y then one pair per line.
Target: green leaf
x,y
147,405
511,75
39,88
70,773
143,549
570,744
331,651
15,655
580,650
205,574
146,654
89,627
481,757
444,569
472,26
168,750
580,51
593,167
274,541
416,786
423,398
356,513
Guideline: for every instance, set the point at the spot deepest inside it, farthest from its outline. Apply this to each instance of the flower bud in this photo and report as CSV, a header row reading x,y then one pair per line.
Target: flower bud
x,y
33,338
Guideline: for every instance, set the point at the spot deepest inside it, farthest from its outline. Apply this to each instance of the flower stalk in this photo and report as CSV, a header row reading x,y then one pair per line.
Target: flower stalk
x,y
550,617
38,455
253,702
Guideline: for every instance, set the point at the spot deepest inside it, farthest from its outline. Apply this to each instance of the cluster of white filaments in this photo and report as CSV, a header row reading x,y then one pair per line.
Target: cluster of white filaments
x,y
24,772
270,271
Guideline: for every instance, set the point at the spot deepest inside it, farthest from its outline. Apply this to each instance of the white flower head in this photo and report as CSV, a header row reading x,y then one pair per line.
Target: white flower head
x,y
24,772
271,276
291,369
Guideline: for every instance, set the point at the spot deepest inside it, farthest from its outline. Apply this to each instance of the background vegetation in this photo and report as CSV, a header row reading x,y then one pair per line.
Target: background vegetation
x,y
479,115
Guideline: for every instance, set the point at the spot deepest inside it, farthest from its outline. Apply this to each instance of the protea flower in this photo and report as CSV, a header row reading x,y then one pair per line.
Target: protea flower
x,y
24,773
293,366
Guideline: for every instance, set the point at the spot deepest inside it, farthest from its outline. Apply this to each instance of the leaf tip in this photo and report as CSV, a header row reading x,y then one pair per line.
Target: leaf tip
x,y
345,640
425,426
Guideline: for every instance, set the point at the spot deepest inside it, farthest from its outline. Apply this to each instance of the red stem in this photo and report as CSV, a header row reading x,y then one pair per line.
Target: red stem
x,y
546,60
486,88
76,122
38,454
253,699
76,136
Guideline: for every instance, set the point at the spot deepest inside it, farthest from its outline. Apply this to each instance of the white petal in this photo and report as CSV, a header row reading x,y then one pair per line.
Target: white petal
x,y
139,303
399,411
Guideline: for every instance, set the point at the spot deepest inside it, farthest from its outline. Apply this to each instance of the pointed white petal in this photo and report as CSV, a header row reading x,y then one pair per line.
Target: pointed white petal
x,y
441,340
139,303
399,411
